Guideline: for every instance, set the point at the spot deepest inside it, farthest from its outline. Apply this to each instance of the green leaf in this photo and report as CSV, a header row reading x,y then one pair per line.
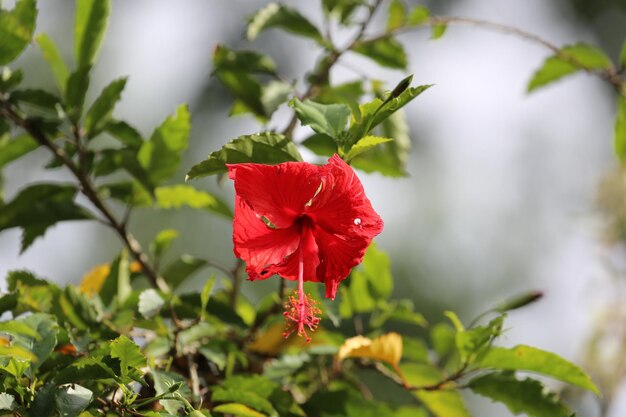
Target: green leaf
x,y
247,398
72,399
246,90
262,148
128,353
473,342
279,16
52,55
164,382
322,145
205,295
390,159
179,270
225,59
177,196
7,401
418,15
125,133
438,30
42,345
526,396
75,91
442,337
526,358
363,145
327,119
150,303
39,207
89,26
387,52
376,111
396,15
163,241
238,410
569,60
342,10
619,140
12,149
442,403
273,94
101,110
160,156
16,29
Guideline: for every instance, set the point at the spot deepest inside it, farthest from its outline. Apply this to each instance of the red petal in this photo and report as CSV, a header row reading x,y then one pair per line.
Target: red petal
x,y
259,245
289,268
345,223
278,192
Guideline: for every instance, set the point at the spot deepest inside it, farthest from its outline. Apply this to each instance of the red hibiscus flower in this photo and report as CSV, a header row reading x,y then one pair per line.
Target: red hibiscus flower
x,y
301,221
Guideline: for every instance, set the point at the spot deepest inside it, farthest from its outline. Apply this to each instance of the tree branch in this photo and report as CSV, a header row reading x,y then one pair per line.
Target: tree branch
x,y
88,190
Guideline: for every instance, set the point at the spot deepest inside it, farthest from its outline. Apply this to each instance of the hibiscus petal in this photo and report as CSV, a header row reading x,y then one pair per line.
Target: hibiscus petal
x,y
258,245
277,192
338,255
341,206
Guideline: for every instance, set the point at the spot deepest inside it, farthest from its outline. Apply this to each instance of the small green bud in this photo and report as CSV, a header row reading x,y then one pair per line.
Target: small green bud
x,y
519,301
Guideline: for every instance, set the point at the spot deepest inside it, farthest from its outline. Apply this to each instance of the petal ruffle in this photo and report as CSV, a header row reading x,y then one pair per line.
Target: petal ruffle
x,y
277,192
258,245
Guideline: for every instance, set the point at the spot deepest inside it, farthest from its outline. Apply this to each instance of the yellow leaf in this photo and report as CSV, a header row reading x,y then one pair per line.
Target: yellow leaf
x,y
5,341
93,280
386,348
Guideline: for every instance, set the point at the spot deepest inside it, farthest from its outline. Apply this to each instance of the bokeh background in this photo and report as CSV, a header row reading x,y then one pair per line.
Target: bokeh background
x,y
502,192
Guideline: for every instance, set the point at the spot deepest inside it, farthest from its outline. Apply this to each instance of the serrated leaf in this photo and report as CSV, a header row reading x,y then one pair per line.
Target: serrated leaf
x,y
179,270
527,358
53,57
619,139
39,207
72,399
160,156
128,353
16,29
89,26
101,110
280,16
441,403
376,111
386,348
238,410
363,145
569,60
387,52
163,383
418,15
396,15
12,149
526,396
150,303
327,119
7,401
262,148
177,196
